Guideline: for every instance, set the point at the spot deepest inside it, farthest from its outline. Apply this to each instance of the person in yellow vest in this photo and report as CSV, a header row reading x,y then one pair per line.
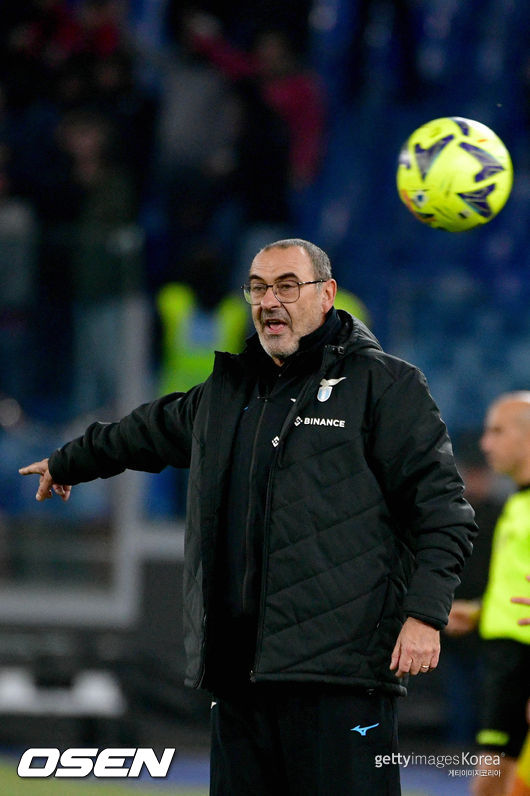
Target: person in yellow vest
x,y
191,333
521,785
197,315
506,644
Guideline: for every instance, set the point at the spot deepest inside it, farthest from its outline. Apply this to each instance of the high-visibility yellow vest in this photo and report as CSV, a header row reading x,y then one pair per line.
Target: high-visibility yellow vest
x,y
509,564
185,361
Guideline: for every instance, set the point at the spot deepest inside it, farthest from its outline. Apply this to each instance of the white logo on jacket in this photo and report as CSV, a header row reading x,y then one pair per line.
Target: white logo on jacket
x,y
326,386
320,421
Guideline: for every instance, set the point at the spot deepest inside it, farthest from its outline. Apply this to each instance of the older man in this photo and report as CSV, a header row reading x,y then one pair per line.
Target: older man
x,y
326,528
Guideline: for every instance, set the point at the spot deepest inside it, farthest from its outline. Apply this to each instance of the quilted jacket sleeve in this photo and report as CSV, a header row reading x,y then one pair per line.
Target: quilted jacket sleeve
x,y
413,457
152,436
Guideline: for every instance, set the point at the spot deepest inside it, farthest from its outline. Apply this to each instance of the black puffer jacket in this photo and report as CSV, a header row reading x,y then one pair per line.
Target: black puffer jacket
x,y
365,519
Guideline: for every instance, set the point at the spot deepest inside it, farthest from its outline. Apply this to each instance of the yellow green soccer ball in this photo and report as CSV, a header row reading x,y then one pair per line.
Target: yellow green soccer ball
x,y
454,174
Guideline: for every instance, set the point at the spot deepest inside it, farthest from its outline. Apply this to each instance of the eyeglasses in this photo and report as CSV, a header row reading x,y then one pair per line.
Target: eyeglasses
x,y
286,290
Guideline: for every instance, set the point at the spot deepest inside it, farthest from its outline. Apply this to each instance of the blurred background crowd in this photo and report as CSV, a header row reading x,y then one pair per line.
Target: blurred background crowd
x,y
146,143
147,150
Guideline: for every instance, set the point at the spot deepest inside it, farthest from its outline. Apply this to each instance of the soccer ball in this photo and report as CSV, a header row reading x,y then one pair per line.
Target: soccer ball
x,y
454,173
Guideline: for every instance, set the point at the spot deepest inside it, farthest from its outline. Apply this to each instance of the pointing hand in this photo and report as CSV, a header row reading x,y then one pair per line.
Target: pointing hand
x,y
46,485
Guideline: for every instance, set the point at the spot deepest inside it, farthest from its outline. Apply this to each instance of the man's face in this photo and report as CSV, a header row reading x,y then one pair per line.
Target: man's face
x,y
280,326
506,438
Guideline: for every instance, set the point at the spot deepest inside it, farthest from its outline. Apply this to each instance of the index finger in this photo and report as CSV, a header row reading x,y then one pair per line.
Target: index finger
x,y
37,468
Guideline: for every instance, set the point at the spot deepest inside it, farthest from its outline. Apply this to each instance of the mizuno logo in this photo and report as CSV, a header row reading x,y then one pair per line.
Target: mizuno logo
x,y
326,386
363,730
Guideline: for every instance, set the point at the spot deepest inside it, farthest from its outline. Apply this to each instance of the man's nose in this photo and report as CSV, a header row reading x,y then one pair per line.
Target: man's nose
x,y
269,299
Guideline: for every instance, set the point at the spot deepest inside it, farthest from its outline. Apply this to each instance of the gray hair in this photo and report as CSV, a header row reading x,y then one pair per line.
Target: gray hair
x,y
319,258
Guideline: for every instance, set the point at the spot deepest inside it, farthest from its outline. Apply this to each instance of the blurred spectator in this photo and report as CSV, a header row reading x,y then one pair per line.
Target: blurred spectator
x,y
87,202
281,133
261,181
286,86
244,19
131,110
45,34
260,189
194,152
56,29
100,26
48,48
105,266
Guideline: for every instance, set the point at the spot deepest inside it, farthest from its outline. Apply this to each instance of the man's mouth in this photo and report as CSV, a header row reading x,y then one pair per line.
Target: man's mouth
x,y
274,325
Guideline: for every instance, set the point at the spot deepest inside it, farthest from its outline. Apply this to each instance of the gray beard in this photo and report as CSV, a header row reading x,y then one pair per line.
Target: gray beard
x,y
280,354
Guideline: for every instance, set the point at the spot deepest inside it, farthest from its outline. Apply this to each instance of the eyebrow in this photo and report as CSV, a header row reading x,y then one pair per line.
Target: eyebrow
x,y
289,275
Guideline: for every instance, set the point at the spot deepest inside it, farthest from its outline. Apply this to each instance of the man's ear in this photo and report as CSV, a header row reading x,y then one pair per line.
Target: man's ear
x,y
329,291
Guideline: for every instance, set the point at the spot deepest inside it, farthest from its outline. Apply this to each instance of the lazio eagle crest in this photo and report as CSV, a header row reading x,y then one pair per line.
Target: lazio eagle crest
x,y
326,386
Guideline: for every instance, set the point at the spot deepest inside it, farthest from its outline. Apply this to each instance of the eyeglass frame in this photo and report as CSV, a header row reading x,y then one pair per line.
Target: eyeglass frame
x,y
247,286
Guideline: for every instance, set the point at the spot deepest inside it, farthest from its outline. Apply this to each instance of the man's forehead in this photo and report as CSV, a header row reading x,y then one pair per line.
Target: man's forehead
x,y
284,275
293,262
508,411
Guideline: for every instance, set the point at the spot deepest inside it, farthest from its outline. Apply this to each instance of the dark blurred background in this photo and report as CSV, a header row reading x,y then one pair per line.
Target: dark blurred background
x,y
147,150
